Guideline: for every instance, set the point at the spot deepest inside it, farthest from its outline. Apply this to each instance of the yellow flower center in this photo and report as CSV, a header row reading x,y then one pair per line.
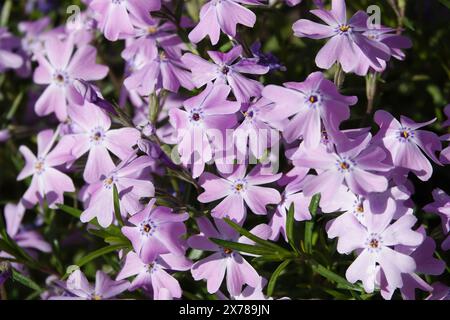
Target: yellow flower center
x,y
344,28
152,30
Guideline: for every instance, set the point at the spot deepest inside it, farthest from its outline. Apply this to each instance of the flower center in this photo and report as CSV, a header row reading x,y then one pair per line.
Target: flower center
x,y
313,99
162,56
405,134
39,166
196,117
225,69
227,250
97,297
97,135
344,28
147,228
239,186
60,78
108,182
152,30
344,165
374,242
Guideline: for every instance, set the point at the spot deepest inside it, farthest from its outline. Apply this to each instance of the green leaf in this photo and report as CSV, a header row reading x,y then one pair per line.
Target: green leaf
x,y
15,106
117,206
98,253
6,12
290,223
253,237
70,210
333,277
27,282
445,3
309,226
275,275
243,247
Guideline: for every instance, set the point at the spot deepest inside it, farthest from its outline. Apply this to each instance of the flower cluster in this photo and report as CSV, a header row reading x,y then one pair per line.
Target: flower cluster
x,y
200,146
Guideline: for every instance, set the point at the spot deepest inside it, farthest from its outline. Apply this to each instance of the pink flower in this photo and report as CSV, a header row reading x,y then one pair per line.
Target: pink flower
x,y
258,130
130,189
58,67
206,116
353,162
224,260
157,230
227,68
441,207
104,289
426,263
391,39
347,41
292,195
29,240
312,104
152,275
374,241
94,136
48,183
153,70
237,189
217,15
116,16
405,143
8,58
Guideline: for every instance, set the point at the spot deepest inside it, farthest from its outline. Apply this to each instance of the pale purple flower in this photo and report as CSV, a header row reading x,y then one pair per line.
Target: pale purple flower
x,y
292,194
105,288
9,59
441,207
440,292
149,35
447,113
116,16
355,163
205,118
266,59
392,201
312,104
94,136
227,68
129,186
426,263
48,183
292,3
58,68
153,276
222,15
34,35
391,39
153,70
374,243
248,293
224,261
405,143
258,130
27,239
156,230
347,40
238,188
